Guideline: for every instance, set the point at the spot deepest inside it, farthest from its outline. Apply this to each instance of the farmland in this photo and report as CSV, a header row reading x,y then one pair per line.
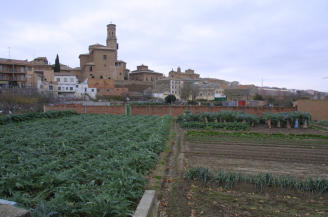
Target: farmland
x,y
258,172
80,165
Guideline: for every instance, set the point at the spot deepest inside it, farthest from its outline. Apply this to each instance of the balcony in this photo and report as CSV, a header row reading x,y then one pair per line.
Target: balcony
x,y
12,79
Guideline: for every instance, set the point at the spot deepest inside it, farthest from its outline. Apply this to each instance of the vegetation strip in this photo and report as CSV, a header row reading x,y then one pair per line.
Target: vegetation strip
x,y
260,181
35,115
225,126
191,134
282,119
82,165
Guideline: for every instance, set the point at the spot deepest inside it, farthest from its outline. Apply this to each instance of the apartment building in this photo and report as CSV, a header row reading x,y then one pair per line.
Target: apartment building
x,y
13,73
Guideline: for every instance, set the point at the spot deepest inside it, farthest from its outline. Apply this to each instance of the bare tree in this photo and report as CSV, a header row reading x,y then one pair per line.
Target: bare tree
x,y
194,91
186,90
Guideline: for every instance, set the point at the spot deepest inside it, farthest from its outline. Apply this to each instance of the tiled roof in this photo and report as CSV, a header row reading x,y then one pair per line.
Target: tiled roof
x,y
15,62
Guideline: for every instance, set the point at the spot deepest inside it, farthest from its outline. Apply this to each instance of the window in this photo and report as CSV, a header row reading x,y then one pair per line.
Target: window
x,y
50,87
29,68
109,78
59,88
22,69
66,88
85,90
105,65
105,57
120,73
107,90
41,86
101,77
92,90
72,79
1,68
77,86
1,76
90,68
71,88
65,79
58,79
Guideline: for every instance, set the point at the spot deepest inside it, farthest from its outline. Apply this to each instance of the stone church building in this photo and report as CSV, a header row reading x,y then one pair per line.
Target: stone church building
x,y
101,62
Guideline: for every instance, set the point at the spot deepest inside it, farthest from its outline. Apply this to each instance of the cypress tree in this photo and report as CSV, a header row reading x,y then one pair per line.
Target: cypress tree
x,y
57,65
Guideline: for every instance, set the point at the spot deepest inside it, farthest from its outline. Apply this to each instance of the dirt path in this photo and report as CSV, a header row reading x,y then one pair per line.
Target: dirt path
x,y
173,171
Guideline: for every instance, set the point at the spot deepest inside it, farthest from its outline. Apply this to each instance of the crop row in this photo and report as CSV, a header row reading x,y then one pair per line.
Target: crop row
x,y
225,126
35,115
81,165
193,134
260,181
282,119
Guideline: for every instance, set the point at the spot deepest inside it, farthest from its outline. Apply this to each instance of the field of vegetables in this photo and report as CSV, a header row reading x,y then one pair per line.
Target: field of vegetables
x,y
80,165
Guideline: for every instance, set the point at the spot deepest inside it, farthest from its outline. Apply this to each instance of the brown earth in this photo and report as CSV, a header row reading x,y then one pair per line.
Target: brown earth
x,y
280,156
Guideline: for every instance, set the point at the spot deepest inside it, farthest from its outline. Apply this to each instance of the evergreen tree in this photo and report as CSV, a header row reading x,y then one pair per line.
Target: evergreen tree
x,y
170,99
57,65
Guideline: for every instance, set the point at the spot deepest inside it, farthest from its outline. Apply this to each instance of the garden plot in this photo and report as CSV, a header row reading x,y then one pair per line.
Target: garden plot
x,y
249,173
82,165
294,155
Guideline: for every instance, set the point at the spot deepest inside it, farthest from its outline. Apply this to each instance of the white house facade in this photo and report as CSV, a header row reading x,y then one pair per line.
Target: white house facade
x,y
84,90
67,84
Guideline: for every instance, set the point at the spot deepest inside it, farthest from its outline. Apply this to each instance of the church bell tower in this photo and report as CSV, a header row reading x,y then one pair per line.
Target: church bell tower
x,y
111,37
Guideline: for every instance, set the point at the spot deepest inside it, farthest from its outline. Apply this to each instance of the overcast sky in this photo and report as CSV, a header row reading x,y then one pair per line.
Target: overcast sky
x,y
283,42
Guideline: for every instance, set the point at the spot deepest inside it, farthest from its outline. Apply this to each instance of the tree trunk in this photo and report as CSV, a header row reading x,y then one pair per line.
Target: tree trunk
x,y
253,124
269,123
206,121
305,125
288,124
279,124
244,121
215,120
224,121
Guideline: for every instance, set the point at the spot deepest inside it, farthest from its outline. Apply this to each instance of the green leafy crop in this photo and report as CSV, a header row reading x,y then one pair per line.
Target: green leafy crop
x,y
81,165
